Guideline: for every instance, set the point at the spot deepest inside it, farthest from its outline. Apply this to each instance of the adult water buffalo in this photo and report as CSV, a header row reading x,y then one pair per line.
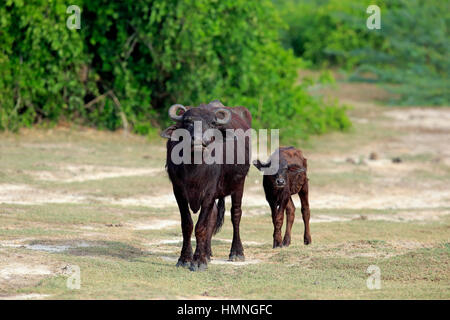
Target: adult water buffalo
x,y
198,185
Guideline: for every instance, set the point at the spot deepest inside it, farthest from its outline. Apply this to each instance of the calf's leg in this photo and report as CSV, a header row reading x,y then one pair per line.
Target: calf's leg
x,y
305,212
277,219
237,251
290,216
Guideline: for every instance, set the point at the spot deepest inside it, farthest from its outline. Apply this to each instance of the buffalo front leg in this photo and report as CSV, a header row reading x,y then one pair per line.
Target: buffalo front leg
x,y
290,216
305,212
200,259
186,227
237,251
277,220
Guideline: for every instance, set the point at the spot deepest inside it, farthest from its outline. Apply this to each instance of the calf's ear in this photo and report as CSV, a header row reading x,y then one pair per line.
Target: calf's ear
x,y
260,166
167,133
257,164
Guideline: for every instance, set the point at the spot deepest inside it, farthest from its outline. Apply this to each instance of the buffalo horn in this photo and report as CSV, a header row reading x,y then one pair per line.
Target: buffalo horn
x,y
173,112
226,116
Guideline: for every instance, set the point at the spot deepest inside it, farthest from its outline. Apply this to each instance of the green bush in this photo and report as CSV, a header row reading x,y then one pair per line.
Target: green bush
x,y
327,32
415,52
131,60
410,50
39,62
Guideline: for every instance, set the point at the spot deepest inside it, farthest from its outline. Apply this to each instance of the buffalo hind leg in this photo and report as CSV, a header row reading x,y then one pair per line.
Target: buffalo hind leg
x,y
290,216
305,212
237,251
211,227
200,260
186,227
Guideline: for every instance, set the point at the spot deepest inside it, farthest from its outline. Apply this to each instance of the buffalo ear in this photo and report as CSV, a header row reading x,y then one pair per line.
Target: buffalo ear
x,y
260,166
167,133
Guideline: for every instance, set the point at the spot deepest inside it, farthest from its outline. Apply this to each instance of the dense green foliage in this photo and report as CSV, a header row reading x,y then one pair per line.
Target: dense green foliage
x,y
410,50
132,59
415,52
39,61
327,32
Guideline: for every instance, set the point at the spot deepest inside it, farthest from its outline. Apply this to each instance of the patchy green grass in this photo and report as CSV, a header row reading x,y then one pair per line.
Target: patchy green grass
x,y
128,249
120,271
413,258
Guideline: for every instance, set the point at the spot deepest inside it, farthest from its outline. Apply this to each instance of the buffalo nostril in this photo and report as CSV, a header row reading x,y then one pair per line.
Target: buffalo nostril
x,y
280,181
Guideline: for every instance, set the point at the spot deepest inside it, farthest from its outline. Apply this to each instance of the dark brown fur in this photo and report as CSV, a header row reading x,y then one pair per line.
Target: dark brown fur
x,y
292,170
198,186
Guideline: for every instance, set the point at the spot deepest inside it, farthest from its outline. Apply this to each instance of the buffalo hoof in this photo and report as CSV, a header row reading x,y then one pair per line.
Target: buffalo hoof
x,y
286,244
198,266
307,240
184,264
277,245
236,257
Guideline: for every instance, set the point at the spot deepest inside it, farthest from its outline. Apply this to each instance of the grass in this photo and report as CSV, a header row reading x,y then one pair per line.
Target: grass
x,y
123,267
290,275
119,261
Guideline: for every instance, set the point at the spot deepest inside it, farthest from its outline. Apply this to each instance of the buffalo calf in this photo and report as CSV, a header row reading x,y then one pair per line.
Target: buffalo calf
x,y
288,180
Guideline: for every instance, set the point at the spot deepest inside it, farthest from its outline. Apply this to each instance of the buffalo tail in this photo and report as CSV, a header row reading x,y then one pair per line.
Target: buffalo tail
x,y
220,214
